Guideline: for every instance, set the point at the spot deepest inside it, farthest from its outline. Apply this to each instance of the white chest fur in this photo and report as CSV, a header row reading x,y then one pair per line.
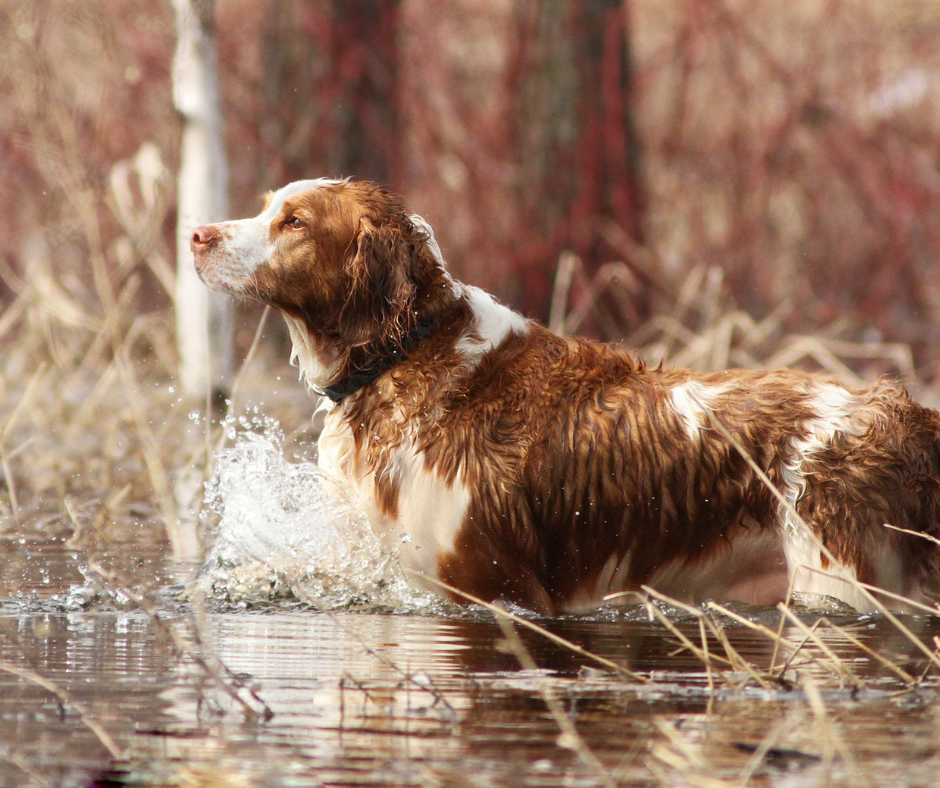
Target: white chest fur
x,y
430,510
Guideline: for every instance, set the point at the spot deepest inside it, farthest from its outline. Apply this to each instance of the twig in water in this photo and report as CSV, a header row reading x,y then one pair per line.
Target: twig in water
x,y
570,738
776,637
735,660
783,618
735,657
223,677
799,647
839,664
708,664
410,678
896,669
535,627
84,715
663,619
865,589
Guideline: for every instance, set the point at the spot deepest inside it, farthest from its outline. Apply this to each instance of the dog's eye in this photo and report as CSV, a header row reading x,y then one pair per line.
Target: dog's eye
x,y
294,223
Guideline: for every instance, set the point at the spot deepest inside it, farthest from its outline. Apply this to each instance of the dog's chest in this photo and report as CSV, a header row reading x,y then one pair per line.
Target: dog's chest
x,y
415,512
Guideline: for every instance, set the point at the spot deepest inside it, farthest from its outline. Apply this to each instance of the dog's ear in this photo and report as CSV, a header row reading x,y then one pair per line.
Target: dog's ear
x,y
381,295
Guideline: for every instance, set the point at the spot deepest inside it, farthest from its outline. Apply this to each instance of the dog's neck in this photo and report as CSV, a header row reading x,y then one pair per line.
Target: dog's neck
x,y
318,363
334,371
376,364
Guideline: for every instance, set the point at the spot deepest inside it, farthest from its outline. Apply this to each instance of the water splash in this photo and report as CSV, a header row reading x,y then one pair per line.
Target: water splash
x,y
288,532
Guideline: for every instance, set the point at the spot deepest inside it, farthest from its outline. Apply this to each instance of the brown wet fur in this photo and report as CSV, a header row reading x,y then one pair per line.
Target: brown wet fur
x,y
571,449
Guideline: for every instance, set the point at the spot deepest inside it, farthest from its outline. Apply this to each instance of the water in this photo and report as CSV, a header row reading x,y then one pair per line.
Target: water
x,y
372,684
373,699
287,531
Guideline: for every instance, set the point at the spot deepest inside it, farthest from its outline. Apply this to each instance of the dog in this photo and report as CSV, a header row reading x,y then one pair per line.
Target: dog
x,y
509,463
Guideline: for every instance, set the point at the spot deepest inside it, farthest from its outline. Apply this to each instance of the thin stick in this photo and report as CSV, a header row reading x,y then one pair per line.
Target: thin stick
x,y
821,645
786,602
251,352
34,776
22,447
928,537
534,627
734,659
430,688
777,638
865,589
708,664
806,638
211,665
900,672
570,738
24,399
568,263
11,486
237,382
677,633
898,597
931,655
703,655
83,713
732,653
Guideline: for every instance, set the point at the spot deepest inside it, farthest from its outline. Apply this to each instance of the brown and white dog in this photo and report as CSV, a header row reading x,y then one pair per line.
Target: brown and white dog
x,y
515,464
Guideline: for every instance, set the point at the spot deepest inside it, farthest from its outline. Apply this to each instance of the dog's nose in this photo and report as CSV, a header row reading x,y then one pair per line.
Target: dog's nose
x,y
203,238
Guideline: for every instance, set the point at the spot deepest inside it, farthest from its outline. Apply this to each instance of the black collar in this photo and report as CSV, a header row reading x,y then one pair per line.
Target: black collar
x,y
389,356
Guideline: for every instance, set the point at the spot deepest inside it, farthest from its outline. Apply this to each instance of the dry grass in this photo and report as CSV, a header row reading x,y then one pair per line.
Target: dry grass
x,y
96,434
703,331
779,185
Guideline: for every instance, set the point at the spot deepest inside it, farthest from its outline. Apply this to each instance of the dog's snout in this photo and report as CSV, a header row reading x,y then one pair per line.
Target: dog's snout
x,y
203,237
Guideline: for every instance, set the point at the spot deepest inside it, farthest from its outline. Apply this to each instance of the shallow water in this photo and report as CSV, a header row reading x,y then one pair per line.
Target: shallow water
x,y
382,699
382,686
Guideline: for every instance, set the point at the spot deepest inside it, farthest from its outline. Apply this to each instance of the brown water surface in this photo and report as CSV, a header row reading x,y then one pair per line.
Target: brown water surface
x,y
380,699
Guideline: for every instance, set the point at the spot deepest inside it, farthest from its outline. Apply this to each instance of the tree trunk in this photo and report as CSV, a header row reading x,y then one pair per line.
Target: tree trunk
x,y
331,82
520,145
204,320
576,140
364,115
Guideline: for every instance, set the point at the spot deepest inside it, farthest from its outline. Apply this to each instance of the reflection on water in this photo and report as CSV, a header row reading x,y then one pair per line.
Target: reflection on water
x,y
366,698
377,699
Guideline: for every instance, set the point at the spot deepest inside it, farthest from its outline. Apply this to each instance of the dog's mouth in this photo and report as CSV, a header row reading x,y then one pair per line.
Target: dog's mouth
x,y
203,272
212,278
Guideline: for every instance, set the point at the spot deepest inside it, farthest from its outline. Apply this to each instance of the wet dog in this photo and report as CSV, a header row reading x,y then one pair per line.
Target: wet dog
x,y
514,464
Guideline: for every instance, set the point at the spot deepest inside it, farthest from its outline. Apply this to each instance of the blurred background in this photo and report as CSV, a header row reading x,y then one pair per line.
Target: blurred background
x,y
790,150
713,182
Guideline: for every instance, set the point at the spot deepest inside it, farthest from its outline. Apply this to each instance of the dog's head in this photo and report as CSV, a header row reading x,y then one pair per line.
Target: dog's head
x,y
340,256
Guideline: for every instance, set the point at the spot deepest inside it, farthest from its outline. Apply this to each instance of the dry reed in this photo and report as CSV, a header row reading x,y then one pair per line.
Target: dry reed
x,y
84,714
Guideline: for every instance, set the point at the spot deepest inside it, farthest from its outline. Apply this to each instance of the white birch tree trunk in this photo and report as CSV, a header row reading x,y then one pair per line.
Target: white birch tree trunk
x,y
204,319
